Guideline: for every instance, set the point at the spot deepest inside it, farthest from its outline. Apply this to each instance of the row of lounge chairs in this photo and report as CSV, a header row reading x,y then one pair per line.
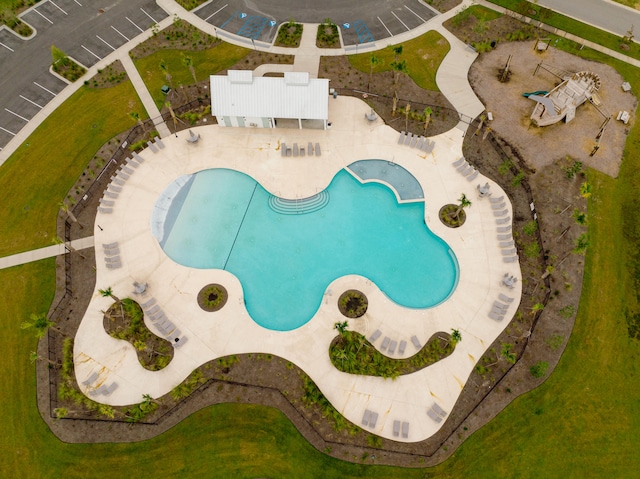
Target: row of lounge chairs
x,y
503,222
465,169
390,345
169,330
112,255
436,413
500,306
103,389
153,146
369,418
107,202
299,150
415,141
405,429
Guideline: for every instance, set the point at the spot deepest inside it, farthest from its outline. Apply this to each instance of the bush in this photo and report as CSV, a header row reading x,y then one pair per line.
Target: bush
x,y
539,369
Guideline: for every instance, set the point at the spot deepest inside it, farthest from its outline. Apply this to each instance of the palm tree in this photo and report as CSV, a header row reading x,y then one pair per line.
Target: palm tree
x,y
585,190
187,61
64,207
464,202
456,337
397,51
373,62
537,308
398,68
341,327
34,356
165,70
108,293
136,117
40,323
427,118
507,354
406,116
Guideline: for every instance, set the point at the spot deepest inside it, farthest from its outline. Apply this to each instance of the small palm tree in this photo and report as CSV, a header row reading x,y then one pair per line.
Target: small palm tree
x,y
537,308
136,117
64,207
373,62
341,327
427,118
187,61
108,293
456,337
464,203
40,323
507,354
585,190
34,356
165,69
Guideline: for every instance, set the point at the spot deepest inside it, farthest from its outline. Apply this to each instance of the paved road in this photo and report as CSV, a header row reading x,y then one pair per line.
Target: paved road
x,y
604,14
84,29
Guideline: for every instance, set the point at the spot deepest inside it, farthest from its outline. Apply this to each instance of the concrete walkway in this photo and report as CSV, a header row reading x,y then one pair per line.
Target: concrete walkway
x,y
47,252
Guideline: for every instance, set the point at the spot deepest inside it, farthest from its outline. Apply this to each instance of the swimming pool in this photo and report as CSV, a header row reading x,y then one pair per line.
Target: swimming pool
x,y
285,253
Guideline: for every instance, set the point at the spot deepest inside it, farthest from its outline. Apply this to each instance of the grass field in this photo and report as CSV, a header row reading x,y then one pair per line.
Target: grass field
x,y
215,59
43,169
584,421
423,56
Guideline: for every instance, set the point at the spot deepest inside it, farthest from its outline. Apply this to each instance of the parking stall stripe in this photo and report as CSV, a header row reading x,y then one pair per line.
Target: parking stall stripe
x,y
121,34
51,2
405,25
105,42
153,19
91,52
7,47
10,132
217,11
45,89
19,116
385,27
30,101
77,2
36,10
134,24
423,20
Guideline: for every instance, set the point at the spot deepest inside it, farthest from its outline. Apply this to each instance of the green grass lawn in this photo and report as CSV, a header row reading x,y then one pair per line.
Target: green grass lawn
x,y
423,56
205,62
43,169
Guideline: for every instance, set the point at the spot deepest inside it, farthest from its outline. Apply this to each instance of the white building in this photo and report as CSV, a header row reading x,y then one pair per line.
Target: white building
x,y
295,101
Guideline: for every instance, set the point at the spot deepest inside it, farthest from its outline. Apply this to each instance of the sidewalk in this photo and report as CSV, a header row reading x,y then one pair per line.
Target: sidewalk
x,y
47,252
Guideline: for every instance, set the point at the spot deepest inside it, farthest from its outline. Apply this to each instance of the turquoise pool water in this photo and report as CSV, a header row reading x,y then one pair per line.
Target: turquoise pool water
x,y
285,258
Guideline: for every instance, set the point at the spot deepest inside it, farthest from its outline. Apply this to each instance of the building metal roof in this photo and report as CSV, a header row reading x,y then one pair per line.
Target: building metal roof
x,y
296,95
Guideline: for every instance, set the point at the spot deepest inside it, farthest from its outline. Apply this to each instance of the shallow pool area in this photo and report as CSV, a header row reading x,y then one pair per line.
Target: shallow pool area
x,y
286,252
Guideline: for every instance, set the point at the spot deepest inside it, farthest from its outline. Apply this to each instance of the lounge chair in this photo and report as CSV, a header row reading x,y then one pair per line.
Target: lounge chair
x,y
283,149
100,390
112,259
396,428
408,138
498,311
506,244
174,336
295,149
473,176
500,213
497,317
153,147
496,200
110,245
414,141
110,194
416,343
112,387
117,180
498,206
502,221
385,343
159,142
106,202
392,346
132,162
509,252
420,143
105,211
429,146
405,430
438,410
510,259
501,306
148,304
113,265
160,316
505,298
463,166
459,162
112,252
503,229
122,174
127,170
504,237
401,139
365,417
310,149
433,415
468,171
373,420
138,158
317,149
117,189
90,379
154,310
376,334
402,347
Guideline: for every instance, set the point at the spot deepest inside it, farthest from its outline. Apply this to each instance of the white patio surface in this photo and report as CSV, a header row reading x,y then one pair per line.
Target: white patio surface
x,y
256,152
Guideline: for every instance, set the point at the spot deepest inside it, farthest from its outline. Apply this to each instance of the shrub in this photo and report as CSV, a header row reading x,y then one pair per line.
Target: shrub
x,y
539,369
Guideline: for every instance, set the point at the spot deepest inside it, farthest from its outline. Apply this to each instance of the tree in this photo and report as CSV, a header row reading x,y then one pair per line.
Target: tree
x,y
406,116
165,69
464,202
34,356
187,61
108,293
398,68
373,62
397,51
456,337
507,354
585,190
40,323
427,118
64,207
341,327
136,117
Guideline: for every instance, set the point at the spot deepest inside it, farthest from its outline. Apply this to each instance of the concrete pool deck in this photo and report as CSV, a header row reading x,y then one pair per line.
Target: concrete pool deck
x,y
256,152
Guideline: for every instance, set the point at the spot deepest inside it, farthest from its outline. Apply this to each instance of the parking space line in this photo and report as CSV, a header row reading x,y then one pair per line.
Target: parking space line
x,y
30,101
36,10
405,25
51,2
10,132
7,47
423,20
121,34
77,2
105,42
19,116
91,52
217,11
385,27
152,19
135,24
44,88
